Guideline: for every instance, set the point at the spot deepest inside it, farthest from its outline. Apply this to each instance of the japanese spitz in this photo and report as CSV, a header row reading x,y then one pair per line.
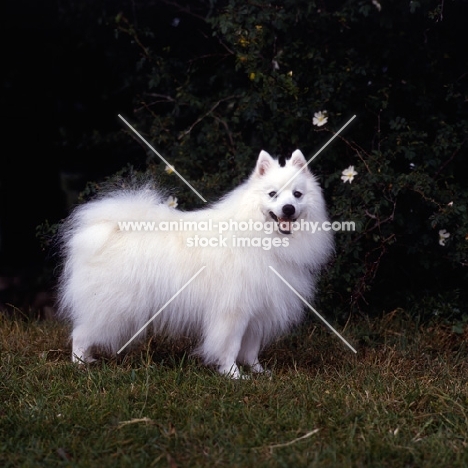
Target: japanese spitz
x,y
222,274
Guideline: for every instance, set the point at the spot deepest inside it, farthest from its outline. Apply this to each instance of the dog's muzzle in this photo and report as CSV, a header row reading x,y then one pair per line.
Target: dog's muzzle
x,y
286,220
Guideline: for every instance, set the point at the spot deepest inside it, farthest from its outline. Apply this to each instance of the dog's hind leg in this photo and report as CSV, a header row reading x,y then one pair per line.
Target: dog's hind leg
x,y
81,352
250,348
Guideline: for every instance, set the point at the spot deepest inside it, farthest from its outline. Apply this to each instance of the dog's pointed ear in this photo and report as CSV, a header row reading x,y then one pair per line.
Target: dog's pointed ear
x,y
298,159
264,162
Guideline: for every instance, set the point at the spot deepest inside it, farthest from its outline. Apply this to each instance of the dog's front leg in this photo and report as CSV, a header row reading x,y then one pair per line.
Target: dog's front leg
x,y
222,342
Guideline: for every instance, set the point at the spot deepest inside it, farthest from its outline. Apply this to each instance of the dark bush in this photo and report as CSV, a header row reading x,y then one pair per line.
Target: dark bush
x,y
214,82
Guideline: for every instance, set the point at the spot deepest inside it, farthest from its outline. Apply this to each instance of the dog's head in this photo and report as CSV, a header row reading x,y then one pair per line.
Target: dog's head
x,y
287,191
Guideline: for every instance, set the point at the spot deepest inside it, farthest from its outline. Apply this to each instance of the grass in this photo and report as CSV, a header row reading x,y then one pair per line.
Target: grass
x,y
402,401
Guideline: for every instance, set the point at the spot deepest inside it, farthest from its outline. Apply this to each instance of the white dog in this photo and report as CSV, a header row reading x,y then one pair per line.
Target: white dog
x,y
116,279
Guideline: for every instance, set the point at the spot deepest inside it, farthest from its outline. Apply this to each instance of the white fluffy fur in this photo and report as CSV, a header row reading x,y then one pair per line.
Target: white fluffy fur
x,y
114,281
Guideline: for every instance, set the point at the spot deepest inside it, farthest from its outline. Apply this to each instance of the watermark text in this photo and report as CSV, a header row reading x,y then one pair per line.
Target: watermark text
x,y
220,227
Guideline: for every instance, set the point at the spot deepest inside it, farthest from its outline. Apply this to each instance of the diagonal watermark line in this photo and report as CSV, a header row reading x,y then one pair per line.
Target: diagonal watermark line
x,y
317,153
313,310
161,309
155,152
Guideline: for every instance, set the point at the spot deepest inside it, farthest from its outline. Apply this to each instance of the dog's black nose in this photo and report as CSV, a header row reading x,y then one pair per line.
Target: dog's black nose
x,y
289,210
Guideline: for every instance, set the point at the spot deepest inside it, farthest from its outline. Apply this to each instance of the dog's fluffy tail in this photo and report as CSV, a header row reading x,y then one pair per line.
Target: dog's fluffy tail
x,y
90,226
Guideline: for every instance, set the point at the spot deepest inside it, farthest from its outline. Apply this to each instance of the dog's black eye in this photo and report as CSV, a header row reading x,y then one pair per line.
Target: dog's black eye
x,y
297,194
272,194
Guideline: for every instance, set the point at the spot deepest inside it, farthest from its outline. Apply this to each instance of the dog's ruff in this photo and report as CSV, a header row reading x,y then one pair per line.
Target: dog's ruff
x,y
114,281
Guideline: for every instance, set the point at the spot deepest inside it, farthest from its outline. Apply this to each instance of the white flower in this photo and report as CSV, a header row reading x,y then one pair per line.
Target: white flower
x,y
377,5
169,169
320,118
171,202
443,235
348,174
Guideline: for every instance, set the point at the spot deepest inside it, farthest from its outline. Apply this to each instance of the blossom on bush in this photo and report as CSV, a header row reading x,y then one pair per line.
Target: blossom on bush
x,y
320,118
171,202
348,174
443,236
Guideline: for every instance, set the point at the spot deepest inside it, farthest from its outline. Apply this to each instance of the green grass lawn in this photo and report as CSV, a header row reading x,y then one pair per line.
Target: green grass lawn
x,y
402,401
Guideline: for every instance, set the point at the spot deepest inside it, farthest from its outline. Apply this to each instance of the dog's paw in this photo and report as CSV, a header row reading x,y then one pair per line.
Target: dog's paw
x,y
257,368
83,360
232,371
261,371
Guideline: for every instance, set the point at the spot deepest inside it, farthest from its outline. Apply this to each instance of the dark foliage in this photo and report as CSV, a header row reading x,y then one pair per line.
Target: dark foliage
x,y
214,82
